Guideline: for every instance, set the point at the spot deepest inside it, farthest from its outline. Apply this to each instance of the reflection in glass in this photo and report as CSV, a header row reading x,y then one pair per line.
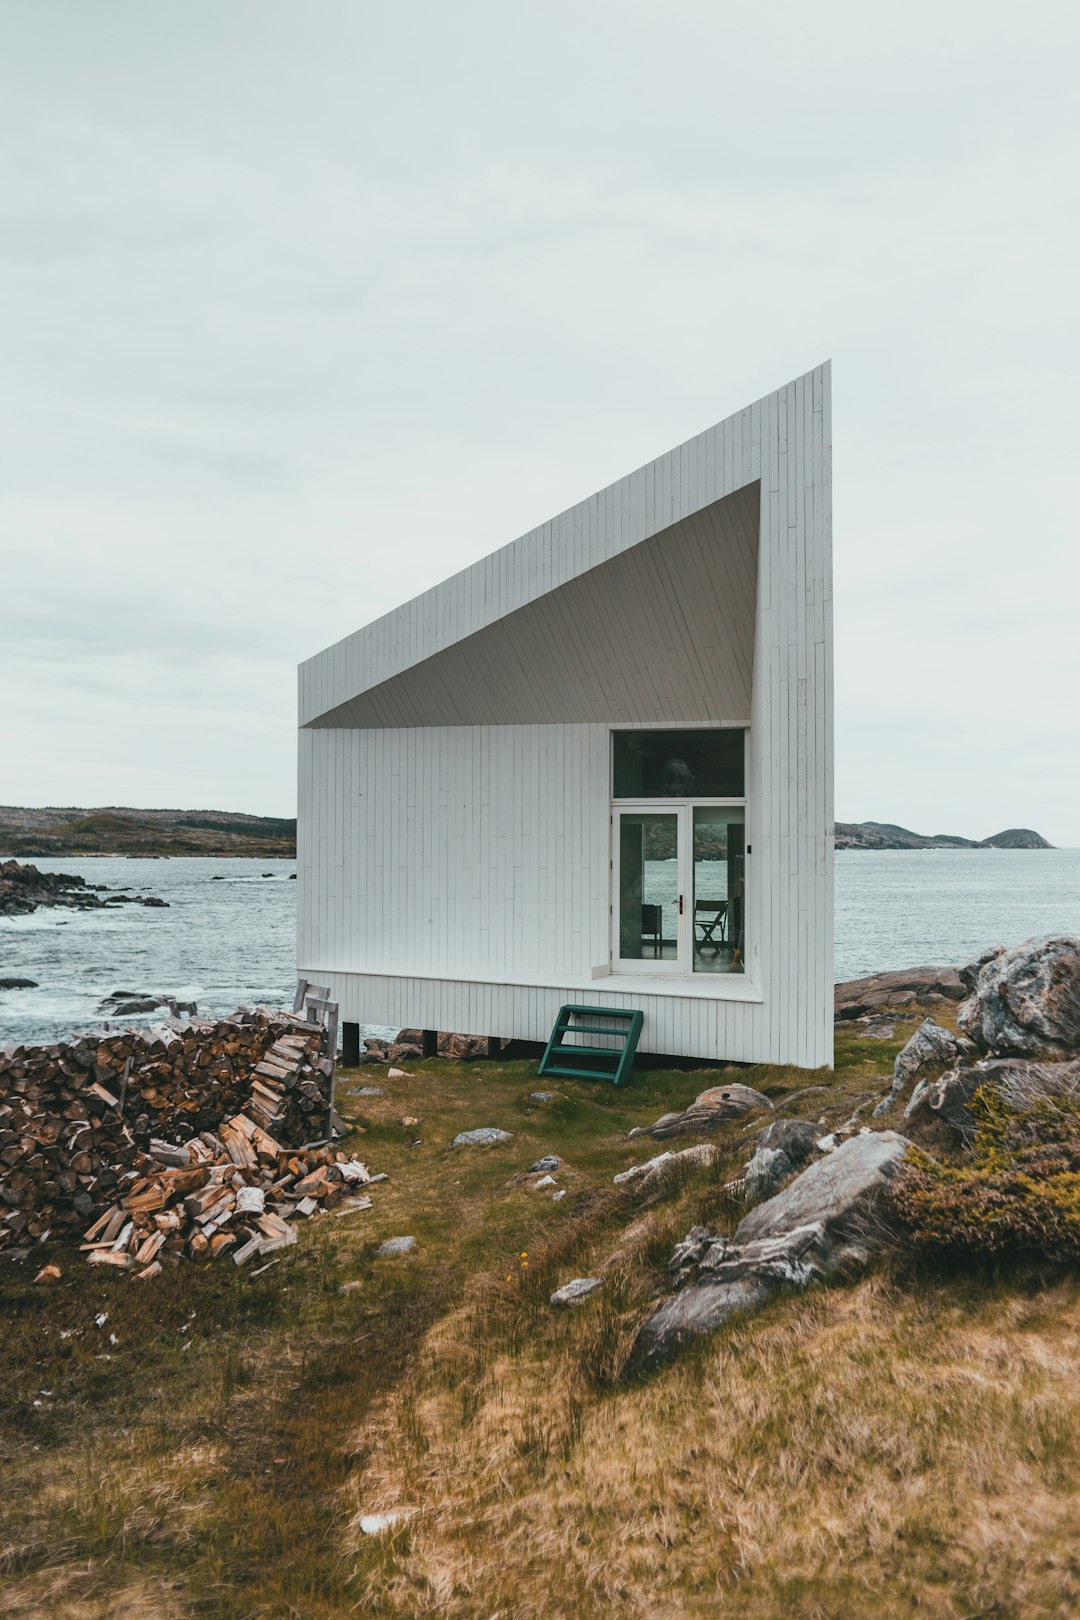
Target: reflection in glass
x,y
679,764
719,856
648,886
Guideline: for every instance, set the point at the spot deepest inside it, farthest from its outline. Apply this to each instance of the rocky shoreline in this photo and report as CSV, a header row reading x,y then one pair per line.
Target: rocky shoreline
x,y
23,890
898,990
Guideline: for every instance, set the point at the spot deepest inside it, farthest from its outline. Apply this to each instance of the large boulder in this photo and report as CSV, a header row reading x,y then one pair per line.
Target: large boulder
x,y
825,1224
708,1112
1025,1002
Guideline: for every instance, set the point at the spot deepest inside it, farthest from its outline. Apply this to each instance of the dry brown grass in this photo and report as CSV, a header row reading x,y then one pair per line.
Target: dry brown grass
x,y
855,1453
894,1448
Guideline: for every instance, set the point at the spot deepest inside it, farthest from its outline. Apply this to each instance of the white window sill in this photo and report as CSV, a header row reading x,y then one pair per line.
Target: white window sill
x,y
702,987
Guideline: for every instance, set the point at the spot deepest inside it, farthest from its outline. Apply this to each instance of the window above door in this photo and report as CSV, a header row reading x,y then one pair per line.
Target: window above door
x,y
680,764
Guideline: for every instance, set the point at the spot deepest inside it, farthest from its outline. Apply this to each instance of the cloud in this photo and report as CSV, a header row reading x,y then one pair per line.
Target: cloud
x,y
305,308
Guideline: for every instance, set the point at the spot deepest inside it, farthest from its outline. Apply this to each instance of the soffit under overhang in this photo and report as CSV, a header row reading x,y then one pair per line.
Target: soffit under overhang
x,y
661,632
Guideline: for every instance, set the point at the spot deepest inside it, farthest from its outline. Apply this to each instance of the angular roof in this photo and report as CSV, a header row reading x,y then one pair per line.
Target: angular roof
x,y
636,605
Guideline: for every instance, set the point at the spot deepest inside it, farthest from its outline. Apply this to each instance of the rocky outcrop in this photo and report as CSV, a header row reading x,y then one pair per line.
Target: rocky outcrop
x,y
828,1223
1025,1002
23,889
708,1112
123,1003
1022,1085
930,1048
904,988
947,1097
930,1044
782,1148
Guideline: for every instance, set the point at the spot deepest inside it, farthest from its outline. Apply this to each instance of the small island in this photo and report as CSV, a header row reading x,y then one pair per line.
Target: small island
x,y
886,835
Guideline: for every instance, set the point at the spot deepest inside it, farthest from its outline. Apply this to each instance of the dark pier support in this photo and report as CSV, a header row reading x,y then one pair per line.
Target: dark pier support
x,y
350,1045
431,1042
494,1046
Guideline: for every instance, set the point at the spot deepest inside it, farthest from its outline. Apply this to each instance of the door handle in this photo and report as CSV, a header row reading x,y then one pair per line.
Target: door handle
x,y
680,905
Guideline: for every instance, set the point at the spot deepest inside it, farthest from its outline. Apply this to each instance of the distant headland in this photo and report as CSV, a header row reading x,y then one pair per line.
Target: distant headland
x,y
115,830
884,835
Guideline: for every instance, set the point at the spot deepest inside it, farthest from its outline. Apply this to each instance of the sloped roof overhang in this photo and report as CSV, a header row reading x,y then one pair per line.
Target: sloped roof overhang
x,y
660,632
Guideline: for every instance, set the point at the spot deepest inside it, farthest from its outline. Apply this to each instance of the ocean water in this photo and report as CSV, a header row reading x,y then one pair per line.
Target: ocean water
x,y
231,942
899,908
222,944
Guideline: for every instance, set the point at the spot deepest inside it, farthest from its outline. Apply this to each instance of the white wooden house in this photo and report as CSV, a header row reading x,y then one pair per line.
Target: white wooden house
x,y
596,766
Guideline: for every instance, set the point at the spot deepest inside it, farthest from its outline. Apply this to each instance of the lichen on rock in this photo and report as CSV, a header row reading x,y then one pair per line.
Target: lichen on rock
x,y
1025,1002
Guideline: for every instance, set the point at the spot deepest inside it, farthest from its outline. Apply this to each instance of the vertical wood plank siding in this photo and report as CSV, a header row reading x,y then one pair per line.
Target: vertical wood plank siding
x,y
454,769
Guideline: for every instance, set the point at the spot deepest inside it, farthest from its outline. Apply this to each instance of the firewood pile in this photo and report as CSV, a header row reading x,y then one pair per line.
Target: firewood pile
x,y
183,1141
235,1192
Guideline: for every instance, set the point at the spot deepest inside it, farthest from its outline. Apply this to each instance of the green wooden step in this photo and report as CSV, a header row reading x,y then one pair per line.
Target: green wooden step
x,y
612,1053
581,1062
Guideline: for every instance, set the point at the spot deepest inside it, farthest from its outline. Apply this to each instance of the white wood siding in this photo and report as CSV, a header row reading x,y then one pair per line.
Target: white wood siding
x,y
461,850
454,874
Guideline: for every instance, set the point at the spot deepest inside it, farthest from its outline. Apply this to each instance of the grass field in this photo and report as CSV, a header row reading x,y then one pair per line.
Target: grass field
x,y
904,1446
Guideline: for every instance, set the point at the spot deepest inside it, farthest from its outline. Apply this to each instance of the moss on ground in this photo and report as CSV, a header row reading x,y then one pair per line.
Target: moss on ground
x,y
205,1451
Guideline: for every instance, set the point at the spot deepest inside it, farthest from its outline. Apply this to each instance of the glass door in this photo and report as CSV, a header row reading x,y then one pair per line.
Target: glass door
x,y
648,904
678,888
719,888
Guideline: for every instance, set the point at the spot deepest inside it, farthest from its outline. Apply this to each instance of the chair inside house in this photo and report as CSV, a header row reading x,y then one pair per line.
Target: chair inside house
x,y
710,918
652,928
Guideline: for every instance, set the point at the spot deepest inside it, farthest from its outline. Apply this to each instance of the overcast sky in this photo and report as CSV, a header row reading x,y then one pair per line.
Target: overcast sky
x,y
306,305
